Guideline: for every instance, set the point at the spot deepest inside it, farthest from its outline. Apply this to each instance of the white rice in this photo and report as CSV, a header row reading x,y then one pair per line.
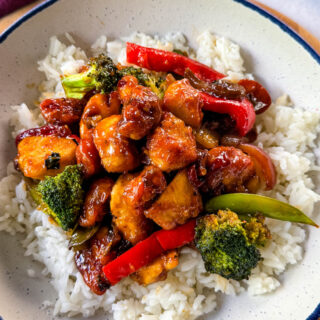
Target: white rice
x,y
287,133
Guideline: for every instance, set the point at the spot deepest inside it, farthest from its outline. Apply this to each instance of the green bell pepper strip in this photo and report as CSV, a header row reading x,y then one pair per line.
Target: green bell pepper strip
x,y
245,205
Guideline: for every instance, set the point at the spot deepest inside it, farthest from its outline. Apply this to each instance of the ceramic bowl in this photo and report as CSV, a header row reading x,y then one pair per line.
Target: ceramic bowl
x,y
280,60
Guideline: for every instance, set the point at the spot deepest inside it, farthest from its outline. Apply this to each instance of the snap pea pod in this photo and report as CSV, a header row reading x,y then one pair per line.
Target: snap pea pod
x,y
81,235
245,205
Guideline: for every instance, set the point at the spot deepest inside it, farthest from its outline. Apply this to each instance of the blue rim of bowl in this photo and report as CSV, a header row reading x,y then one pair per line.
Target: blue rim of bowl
x,y
26,17
250,5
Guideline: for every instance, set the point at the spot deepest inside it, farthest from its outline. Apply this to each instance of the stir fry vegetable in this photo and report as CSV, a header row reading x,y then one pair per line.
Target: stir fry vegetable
x,y
164,61
157,270
257,94
263,164
250,204
224,89
240,111
101,75
82,235
62,196
147,250
130,151
155,82
225,247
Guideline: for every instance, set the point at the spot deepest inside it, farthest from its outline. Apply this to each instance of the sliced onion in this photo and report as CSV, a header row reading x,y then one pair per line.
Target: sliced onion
x,y
257,94
263,164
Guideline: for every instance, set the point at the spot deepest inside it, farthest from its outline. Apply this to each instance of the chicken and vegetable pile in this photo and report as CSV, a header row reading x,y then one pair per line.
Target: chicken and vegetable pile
x,y
128,160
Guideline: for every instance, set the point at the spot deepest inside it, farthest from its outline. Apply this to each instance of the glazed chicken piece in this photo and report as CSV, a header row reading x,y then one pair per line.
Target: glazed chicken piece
x,y
178,203
129,219
145,187
184,102
229,169
88,157
90,260
158,269
99,106
96,202
141,110
62,111
172,145
40,156
117,153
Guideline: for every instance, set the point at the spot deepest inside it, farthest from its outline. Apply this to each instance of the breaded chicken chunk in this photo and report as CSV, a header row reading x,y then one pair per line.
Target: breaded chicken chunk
x,y
40,156
158,269
117,153
184,102
172,145
141,110
178,203
130,220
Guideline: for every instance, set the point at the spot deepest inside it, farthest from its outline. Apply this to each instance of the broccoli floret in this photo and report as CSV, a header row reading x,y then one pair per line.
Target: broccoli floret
x,y
257,232
136,72
149,79
227,247
102,75
61,196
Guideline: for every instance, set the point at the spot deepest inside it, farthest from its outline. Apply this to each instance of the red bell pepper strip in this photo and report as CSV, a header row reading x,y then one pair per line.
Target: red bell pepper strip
x,y
166,61
140,255
147,250
178,237
240,111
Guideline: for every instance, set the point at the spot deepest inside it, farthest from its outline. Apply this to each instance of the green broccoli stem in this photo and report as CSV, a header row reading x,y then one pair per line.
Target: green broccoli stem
x,y
77,85
102,76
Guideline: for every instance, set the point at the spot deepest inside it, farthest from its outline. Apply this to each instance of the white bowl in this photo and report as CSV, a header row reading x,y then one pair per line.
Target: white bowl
x,y
280,60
